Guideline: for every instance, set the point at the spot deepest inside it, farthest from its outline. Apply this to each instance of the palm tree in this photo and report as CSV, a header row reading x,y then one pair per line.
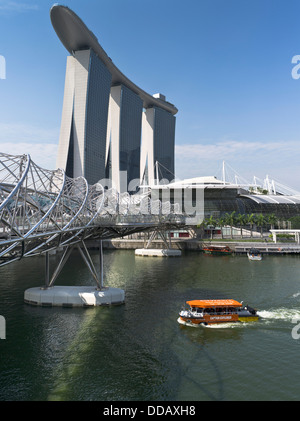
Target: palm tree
x,y
272,220
260,222
221,224
241,220
211,221
230,220
201,227
250,220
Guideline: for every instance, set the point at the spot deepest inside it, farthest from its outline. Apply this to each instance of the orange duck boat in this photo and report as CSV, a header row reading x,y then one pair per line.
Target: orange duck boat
x,y
209,312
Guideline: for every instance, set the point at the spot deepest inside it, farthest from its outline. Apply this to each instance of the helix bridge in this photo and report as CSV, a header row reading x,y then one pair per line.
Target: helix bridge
x,y
44,210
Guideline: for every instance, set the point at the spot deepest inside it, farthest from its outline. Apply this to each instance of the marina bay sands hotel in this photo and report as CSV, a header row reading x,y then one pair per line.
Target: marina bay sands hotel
x,y
109,125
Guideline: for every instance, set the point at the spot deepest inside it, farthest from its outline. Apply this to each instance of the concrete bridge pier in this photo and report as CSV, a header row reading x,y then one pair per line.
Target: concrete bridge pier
x,y
165,252
74,296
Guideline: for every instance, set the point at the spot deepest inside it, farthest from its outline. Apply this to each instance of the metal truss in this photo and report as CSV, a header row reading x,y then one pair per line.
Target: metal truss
x,y
41,210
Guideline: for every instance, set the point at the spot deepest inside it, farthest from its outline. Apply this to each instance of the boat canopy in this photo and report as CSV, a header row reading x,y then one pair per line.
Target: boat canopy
x,y
217,248
214,303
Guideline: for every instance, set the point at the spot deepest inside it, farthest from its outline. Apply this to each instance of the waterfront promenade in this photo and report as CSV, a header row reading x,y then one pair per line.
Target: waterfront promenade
x,y
238,246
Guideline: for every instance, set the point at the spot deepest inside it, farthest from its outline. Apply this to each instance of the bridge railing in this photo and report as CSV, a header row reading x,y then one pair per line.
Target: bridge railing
x,y
41,210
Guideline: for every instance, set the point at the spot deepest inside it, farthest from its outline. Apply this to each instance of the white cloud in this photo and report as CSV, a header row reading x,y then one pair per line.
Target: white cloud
x,y
19,132
233,149
43,154
17,7
278,159
41,144
281,160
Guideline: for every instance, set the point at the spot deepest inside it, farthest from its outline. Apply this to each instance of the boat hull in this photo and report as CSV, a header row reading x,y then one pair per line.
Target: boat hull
x,y
248,319
217,319
218,252
254,254
253,258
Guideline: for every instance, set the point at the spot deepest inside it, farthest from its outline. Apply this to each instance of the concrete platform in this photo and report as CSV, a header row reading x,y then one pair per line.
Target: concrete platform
x,y
158,252
73,296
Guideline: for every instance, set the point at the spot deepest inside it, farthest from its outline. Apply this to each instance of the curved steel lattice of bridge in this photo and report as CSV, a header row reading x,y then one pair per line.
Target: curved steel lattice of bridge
x,y
41,210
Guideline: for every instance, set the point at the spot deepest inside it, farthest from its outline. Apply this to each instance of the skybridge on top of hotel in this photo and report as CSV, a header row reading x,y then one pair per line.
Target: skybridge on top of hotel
x,y
109,125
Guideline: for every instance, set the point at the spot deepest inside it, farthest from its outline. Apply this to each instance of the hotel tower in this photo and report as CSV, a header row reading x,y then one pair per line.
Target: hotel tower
x,y
110,128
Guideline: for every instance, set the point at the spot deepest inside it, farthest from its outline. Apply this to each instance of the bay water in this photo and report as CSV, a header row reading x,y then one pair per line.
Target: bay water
x,y
138,351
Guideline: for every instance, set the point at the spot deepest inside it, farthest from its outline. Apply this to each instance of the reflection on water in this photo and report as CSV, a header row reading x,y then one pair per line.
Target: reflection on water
x,y
138,351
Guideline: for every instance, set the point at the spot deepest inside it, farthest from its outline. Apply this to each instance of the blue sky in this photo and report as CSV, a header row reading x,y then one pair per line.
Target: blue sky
x,y
225,64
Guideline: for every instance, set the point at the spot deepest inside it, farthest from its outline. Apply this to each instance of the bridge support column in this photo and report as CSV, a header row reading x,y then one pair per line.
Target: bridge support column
x,y
47,269
166,252
71,296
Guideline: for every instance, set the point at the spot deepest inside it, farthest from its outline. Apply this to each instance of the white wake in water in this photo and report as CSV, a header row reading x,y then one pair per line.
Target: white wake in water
x,y
280,314
225,325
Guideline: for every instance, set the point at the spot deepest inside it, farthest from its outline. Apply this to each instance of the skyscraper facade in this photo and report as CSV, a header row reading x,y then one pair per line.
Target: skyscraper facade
x,y
84,118
123,137
110,127
157,154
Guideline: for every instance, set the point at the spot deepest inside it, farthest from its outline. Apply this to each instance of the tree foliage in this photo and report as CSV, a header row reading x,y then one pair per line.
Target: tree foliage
x,y
252,220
